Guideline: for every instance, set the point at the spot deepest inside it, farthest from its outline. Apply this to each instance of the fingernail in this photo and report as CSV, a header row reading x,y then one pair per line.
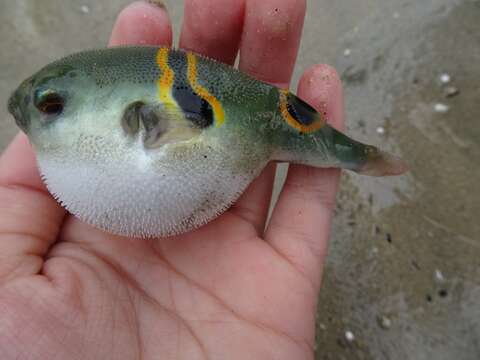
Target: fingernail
x,y
158,3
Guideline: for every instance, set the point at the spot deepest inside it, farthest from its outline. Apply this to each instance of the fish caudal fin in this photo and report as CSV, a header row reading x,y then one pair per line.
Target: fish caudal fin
x,y
361,158
379,163
327,148
309,140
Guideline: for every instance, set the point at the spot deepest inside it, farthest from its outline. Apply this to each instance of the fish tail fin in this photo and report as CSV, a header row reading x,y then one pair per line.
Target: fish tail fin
x,y
308,139
329,148
380,163
361,158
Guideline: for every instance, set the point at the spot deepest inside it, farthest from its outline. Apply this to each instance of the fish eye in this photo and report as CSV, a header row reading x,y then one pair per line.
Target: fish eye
x,y
50,103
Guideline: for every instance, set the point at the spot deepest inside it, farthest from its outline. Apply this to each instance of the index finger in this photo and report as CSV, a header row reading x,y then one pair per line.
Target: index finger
x,y
213,28
271,38
270,42
142,23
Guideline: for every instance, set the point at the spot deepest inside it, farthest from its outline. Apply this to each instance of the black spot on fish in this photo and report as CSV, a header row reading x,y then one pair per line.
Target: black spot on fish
x,y
196,109
302,112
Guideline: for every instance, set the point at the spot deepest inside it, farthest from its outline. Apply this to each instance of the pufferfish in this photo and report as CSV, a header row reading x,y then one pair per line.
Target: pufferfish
x,y
153,142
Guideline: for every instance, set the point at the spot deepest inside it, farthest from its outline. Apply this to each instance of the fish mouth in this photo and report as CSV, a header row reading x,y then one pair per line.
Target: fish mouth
x,y
17,103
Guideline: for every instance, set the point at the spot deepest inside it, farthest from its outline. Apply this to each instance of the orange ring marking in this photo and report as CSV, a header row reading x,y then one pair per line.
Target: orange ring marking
x,y
202,92
316,125
166,81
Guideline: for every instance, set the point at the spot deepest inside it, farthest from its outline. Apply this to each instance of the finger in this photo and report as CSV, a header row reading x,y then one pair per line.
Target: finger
x,y
271,37
254,203
30,218
300,225
213,28
142,23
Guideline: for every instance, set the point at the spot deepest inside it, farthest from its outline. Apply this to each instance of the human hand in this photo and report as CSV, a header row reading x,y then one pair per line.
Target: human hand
x,y
230,290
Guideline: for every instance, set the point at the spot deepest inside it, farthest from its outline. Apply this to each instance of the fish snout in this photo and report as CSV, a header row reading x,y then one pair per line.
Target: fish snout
x,y
17,105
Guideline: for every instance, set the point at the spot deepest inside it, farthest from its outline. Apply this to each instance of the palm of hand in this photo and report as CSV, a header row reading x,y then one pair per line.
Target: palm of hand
x,y
229,290
220,292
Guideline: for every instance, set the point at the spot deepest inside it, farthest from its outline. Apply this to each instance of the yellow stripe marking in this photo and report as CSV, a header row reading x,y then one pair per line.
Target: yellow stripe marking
x,y
316,125
218,111
166,81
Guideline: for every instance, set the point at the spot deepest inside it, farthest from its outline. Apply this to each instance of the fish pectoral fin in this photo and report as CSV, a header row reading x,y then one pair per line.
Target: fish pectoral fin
x,y
156,124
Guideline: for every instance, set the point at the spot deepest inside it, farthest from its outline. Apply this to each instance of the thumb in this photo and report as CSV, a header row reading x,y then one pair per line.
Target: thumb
x,y
30,218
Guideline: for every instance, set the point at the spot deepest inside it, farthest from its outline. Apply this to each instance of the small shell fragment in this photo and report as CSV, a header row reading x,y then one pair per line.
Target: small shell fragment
x,y
439,276
445,78
384,322
441,108
451,91
349,336
380,130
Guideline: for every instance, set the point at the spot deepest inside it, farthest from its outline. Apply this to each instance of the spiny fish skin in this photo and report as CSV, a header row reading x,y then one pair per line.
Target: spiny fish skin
x,y
148,142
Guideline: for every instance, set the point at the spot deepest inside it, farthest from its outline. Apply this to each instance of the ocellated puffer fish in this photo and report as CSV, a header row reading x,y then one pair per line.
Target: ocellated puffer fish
x,y
153,142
